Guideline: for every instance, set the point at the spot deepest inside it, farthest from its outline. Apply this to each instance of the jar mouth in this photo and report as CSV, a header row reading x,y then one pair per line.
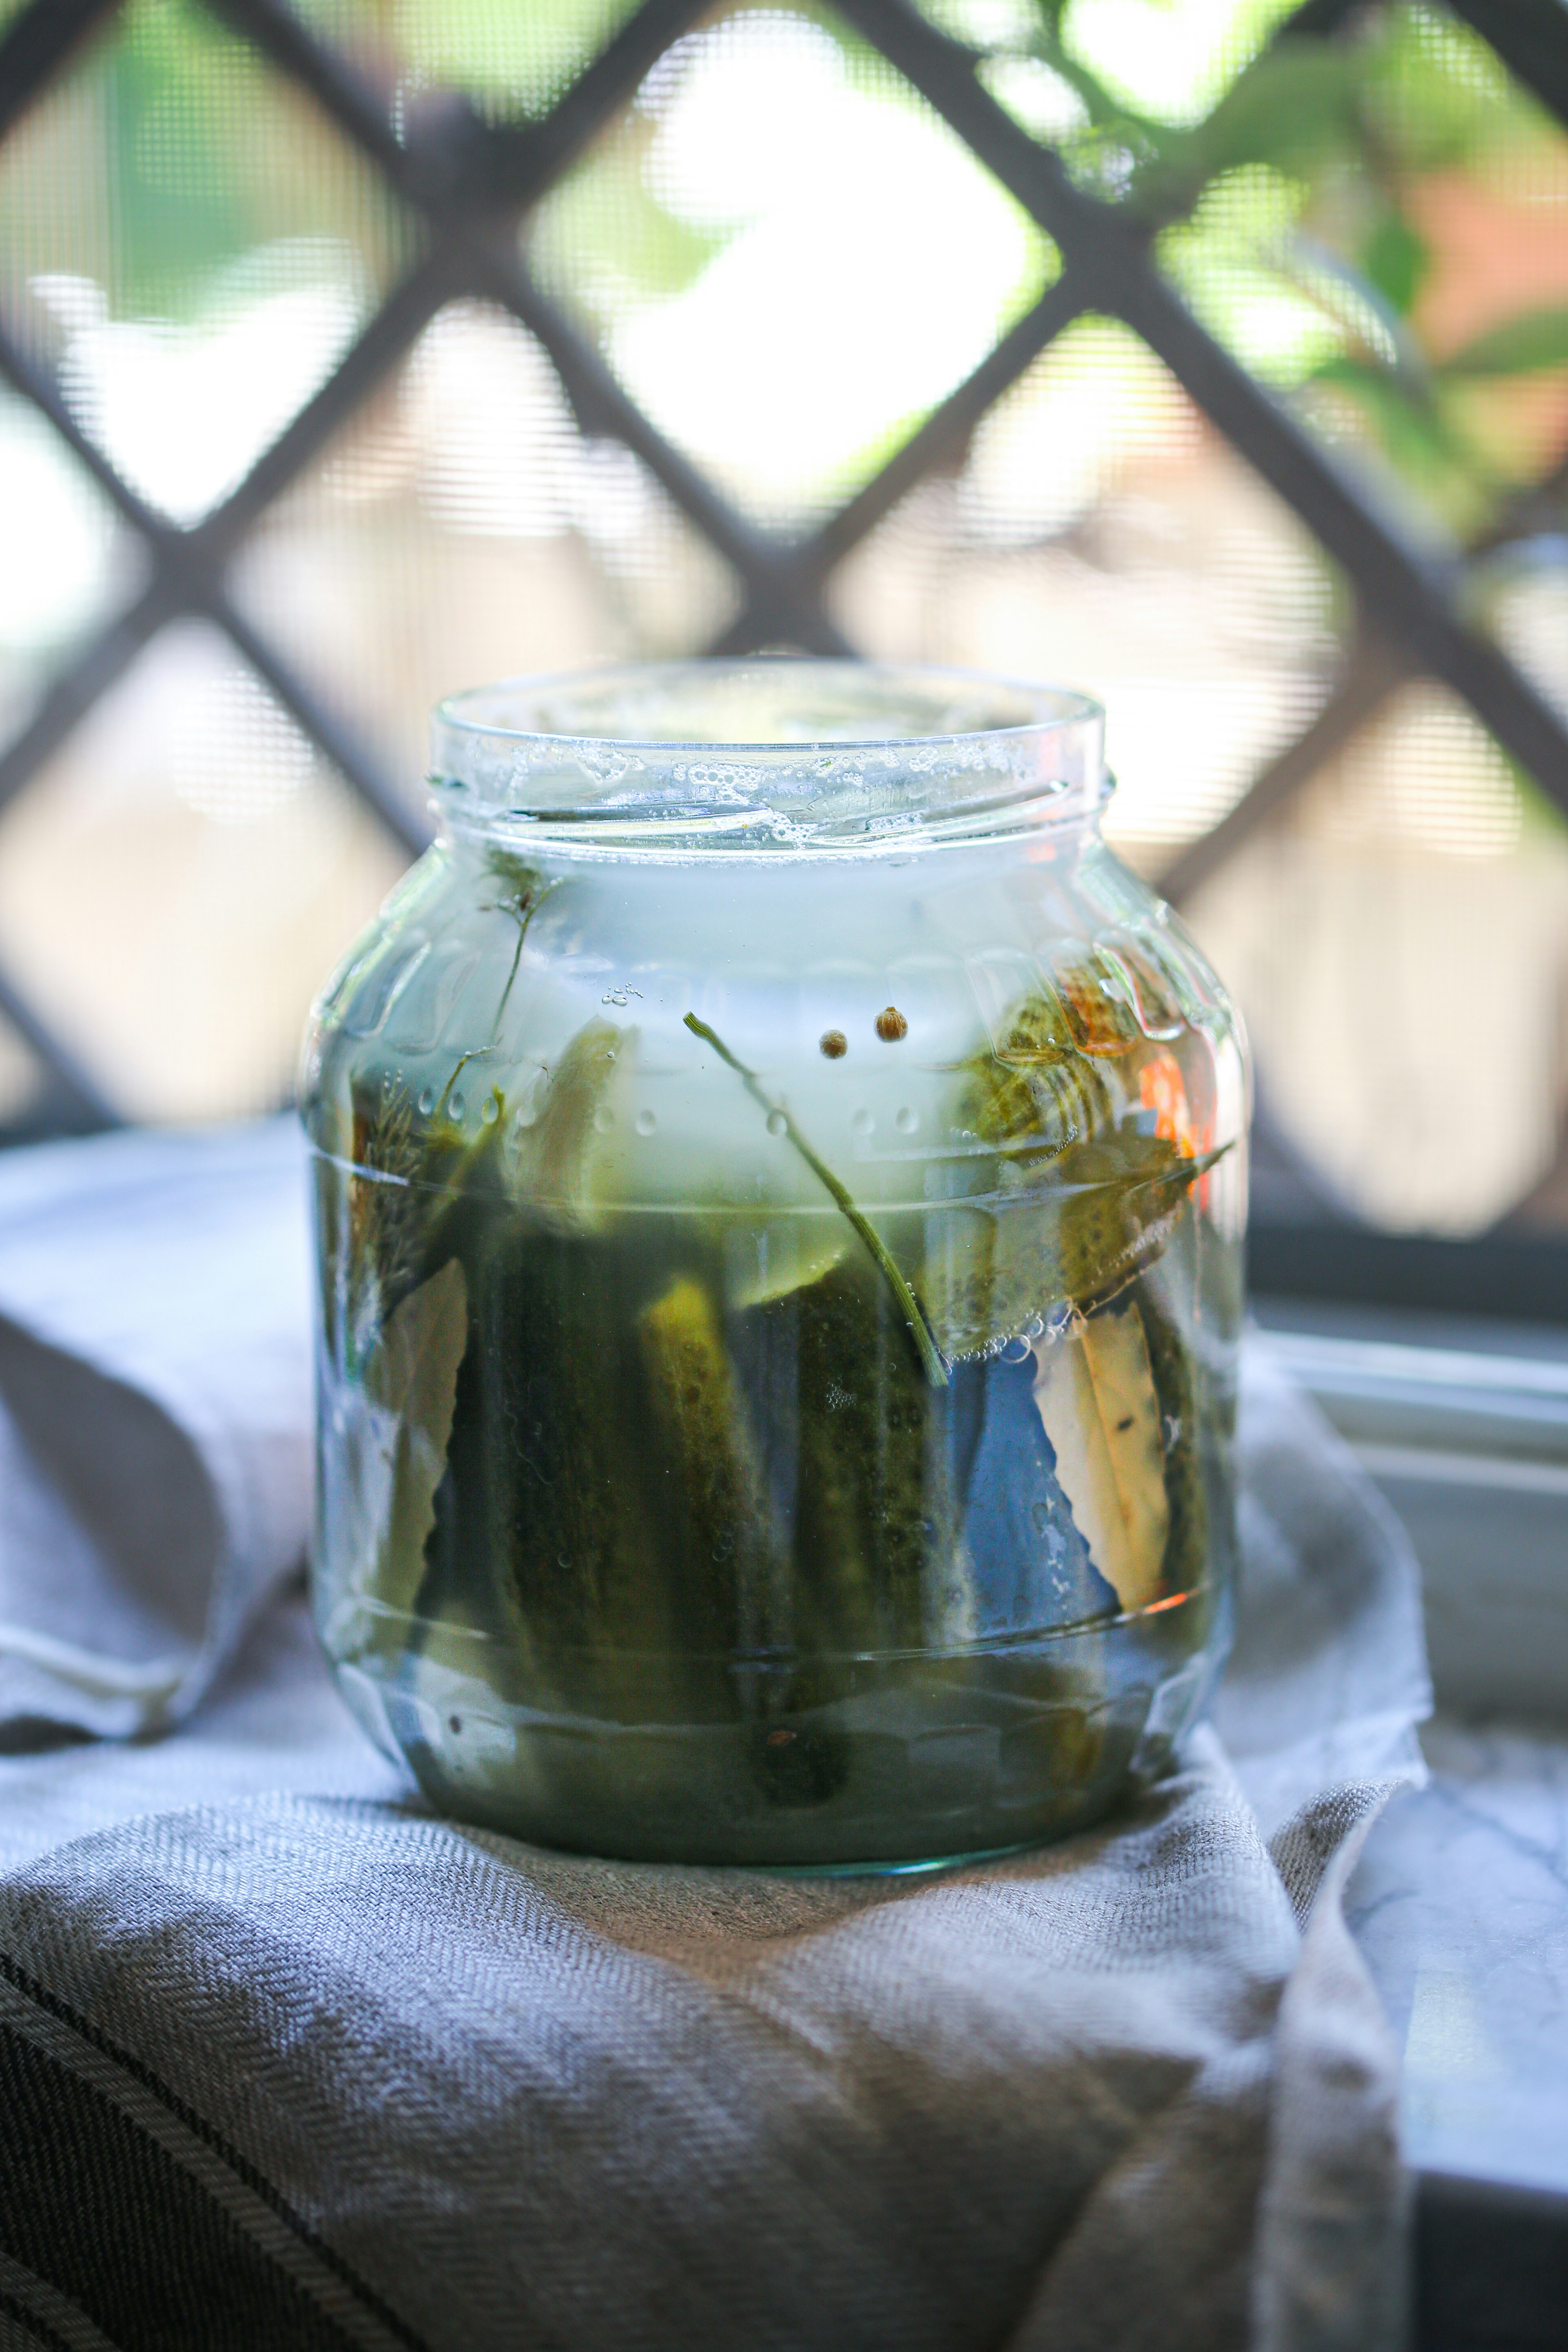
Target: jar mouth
x,y
767,754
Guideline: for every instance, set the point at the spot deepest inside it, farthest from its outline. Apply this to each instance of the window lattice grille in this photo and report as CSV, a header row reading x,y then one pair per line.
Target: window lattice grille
x,y
461,182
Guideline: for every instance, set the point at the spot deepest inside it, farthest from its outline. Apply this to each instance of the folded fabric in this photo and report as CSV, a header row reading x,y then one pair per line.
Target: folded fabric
x,y
351,2077
154,1416
312,2068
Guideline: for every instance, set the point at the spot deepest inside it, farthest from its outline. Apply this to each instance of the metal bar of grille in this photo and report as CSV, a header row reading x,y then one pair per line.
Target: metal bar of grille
x,y
944,432
188,564
84,1100
1411,597
469,179
408,310
520,161
37,45
281,36
330,733
1531,36
1371,675
596,392
1317,20
948,427
1355,699
31,382
89,676
194,554
493,266
465,163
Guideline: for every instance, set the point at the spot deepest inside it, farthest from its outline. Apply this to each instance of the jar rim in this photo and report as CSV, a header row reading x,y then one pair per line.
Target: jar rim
x,y
483,711
765,752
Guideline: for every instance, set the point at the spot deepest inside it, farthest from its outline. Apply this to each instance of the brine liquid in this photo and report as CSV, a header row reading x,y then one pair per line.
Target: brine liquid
x,y
661,1541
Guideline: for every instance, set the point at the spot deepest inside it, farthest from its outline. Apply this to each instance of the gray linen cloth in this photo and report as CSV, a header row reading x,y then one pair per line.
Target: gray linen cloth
x,y
154,1416
344,2075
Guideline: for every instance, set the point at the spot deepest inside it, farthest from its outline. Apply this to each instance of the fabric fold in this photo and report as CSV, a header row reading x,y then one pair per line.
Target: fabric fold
x,y
353,2076
154,1417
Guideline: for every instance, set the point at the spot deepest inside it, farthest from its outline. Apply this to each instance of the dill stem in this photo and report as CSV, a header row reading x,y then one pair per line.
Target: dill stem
x,y
933,1361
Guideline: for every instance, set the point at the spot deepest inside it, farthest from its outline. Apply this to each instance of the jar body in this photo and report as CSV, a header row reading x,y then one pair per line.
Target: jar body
x,y
778,1345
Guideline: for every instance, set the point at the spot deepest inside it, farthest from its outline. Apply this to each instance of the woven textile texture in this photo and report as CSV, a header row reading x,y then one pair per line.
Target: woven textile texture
x,y
284,2060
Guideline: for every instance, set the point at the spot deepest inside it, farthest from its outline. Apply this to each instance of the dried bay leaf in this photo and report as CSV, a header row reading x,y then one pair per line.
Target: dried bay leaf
x,y
1171,1364
394,1448
411,1378
1096,1396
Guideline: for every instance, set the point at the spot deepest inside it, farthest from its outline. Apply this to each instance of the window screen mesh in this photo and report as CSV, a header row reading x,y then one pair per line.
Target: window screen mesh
x,y
1212,359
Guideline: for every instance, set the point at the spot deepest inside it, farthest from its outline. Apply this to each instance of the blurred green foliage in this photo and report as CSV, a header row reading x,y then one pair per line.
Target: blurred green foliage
x,y
508,57
1287,210
169,158
1291,217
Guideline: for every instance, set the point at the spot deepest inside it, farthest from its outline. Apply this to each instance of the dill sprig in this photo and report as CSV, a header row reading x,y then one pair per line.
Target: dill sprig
x,y
933,1361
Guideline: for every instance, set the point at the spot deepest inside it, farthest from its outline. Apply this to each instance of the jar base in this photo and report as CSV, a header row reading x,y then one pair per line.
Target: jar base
x,y
925,1766
922,1869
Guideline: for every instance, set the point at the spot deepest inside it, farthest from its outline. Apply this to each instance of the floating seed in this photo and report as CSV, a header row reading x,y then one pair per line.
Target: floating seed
x,y
835,1044
891,1024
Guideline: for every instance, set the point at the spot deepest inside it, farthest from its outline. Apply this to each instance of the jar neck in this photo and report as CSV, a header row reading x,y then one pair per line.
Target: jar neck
x,y
766,757
682,838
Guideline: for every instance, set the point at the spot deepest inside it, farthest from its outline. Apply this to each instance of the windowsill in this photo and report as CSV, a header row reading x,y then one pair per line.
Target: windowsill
x,y
1461,1905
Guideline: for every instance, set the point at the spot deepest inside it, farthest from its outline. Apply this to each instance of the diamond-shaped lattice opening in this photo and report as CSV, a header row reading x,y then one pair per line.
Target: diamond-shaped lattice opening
x,y
177,883
787,258
462,528
1402,274
1398,938
190,245
1100,532
510,58
71,562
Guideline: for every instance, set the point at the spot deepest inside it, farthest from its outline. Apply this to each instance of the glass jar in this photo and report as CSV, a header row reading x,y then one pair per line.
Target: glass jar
x,y
780,1188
